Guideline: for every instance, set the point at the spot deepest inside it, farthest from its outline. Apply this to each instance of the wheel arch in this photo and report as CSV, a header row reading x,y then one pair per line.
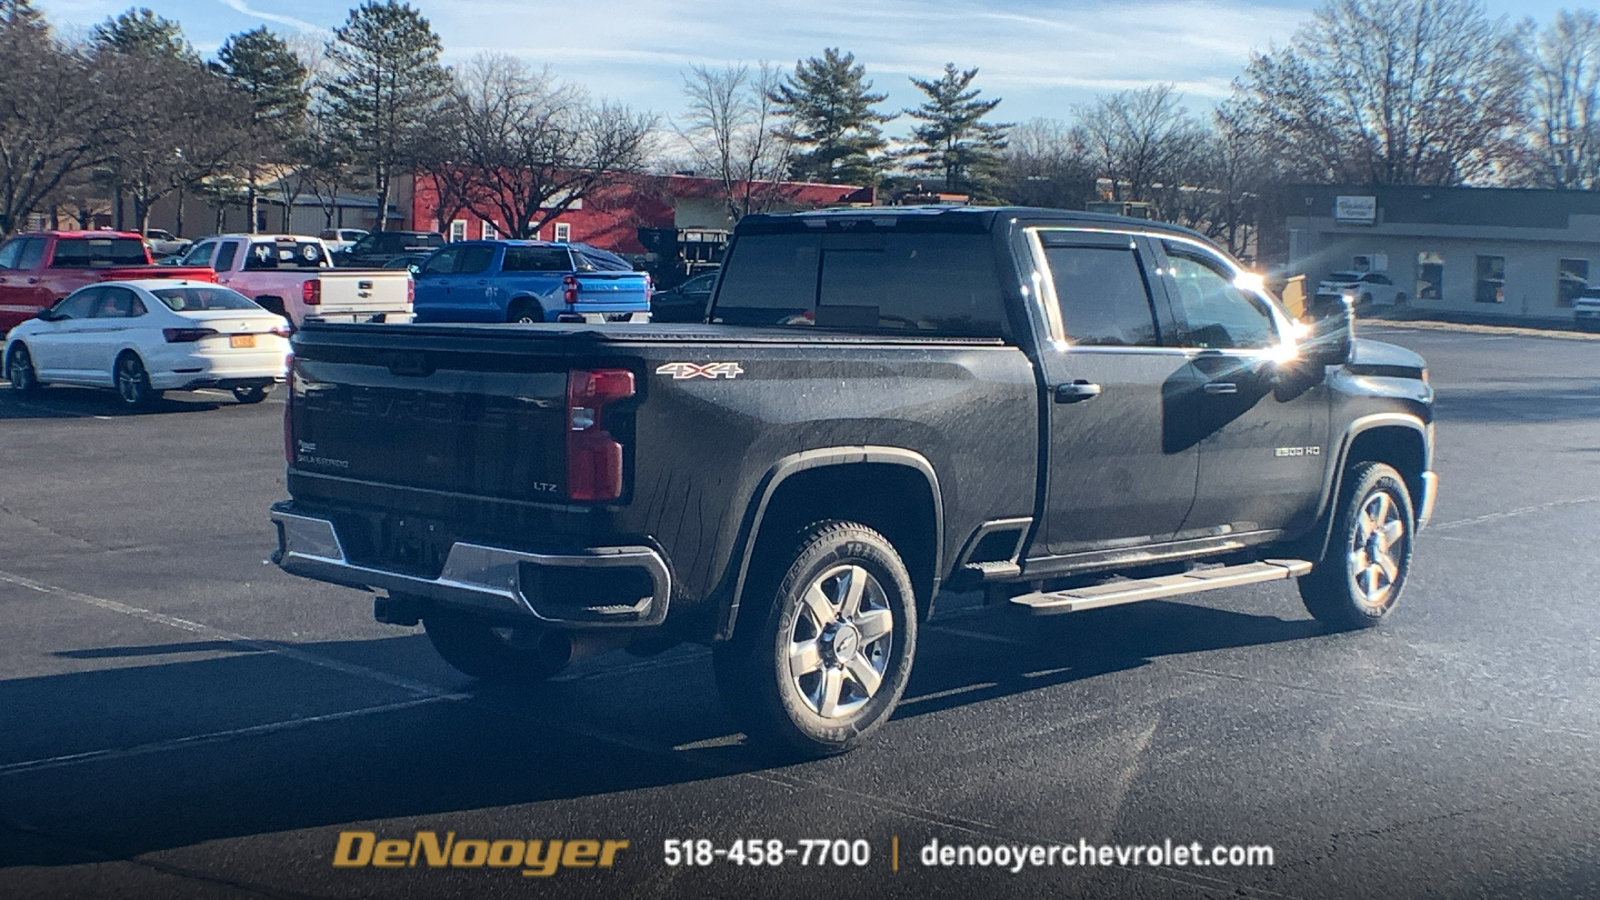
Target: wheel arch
x,y
904,504
1397,439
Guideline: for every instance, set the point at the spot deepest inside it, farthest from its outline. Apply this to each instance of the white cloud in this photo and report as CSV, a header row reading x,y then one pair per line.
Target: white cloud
x,y
291,21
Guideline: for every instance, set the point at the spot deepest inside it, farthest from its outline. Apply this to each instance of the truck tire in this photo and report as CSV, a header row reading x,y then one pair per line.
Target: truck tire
x,y
524,312
823,648
486,651
1360,576
254,393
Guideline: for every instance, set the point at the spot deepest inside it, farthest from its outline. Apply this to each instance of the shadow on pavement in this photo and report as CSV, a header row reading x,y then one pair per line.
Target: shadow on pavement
x,y
377,751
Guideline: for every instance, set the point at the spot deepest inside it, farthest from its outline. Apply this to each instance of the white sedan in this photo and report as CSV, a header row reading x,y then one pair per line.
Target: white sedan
x,y
1365,288
145,337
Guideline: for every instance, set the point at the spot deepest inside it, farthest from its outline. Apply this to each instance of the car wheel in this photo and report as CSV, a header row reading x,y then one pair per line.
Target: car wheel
x,y
1366,299
486,651
524,312
252,394
823,649
1360,576
19,370
133,382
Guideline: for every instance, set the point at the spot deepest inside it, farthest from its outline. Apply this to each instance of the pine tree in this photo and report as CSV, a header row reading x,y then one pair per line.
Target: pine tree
x,y
261,66
142,32
389,85
956,143
828,105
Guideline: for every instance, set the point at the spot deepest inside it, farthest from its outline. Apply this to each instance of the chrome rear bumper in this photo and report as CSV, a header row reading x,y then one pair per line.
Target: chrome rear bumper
x,y
487,579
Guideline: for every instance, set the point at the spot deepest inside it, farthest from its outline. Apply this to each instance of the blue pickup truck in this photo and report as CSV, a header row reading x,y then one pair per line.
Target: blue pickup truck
x,y
529,281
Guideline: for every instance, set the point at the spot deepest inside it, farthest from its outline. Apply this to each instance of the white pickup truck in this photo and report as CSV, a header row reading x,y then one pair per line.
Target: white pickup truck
x,y
293,275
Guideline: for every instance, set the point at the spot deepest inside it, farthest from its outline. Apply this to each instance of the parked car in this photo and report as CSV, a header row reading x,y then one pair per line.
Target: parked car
x,y
339,239
293,276
1586,309
164,243
149,336
530,281
1365,288
1066,411
377,248
684,303
38,268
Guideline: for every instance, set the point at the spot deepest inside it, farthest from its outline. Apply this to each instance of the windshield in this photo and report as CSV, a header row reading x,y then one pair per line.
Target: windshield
x,y
188,299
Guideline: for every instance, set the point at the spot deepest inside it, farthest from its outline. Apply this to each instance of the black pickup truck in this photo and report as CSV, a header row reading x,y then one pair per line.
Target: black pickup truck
x,y
1065,410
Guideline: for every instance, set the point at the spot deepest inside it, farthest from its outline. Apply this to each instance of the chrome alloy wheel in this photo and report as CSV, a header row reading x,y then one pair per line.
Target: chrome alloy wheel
x,y
132,383
1376,549
840,645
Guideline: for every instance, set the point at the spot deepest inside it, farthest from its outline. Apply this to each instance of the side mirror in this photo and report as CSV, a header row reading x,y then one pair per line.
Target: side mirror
x,y
45,315
1332,326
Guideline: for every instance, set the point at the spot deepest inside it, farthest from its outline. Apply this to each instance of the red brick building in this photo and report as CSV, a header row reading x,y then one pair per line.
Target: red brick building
x,y
637,216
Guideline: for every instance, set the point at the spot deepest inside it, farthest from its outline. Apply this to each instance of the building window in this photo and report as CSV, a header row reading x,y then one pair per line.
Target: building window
x,y
488,232
1430,276
458,230
1572,277
1491,279
563,232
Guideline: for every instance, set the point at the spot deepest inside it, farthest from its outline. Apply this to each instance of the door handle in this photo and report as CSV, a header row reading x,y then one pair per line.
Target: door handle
x,y
1076,392
33,281
1221,387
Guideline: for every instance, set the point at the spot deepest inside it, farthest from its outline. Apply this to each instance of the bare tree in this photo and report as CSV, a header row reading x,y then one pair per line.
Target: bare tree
x,y
729,127
533,146
1044,166
1389,92
1565,108
1138,139
51,114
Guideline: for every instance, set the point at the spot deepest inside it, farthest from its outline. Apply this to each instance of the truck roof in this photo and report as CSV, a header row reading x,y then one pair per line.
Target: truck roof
x,y
77,235
979,217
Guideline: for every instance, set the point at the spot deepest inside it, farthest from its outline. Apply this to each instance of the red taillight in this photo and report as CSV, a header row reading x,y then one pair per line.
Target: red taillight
x,y
288,410
411,292
282,331
311,292
594,458
186,335
569,291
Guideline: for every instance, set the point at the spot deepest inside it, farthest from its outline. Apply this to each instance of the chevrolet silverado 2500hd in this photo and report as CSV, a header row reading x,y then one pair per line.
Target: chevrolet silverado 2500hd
x,y
1063,409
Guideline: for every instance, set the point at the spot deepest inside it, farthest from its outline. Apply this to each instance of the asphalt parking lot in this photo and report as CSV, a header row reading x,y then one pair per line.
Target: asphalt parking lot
x,y
180,719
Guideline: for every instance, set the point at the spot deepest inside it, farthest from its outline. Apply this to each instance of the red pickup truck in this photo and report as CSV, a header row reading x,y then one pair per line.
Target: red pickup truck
x,y
38,268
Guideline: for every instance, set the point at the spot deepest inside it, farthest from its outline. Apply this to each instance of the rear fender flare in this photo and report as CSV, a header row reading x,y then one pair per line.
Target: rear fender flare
x,y
787,467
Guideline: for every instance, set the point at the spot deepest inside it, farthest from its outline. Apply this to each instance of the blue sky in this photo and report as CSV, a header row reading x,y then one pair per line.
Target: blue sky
x,y
1041,57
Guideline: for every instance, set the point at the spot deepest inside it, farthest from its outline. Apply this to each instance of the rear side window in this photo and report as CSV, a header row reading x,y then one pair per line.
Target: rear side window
x,y
895,282
230,249
474,258
8,253
1104,296
83,253
536,259
32,252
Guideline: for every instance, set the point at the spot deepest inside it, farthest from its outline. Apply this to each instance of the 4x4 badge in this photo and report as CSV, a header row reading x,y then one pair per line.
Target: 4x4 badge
x,y
681,371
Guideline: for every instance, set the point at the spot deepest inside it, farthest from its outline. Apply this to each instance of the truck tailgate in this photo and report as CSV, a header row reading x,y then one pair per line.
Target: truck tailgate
x,y
486,418
603,291
361,293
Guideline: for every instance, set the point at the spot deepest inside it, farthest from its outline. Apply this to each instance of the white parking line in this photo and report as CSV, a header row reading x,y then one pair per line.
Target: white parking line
x,y
1510,513
408,684
71,759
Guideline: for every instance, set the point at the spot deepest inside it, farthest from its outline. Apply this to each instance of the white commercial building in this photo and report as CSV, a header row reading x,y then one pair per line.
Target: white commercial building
x,y
1473,251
